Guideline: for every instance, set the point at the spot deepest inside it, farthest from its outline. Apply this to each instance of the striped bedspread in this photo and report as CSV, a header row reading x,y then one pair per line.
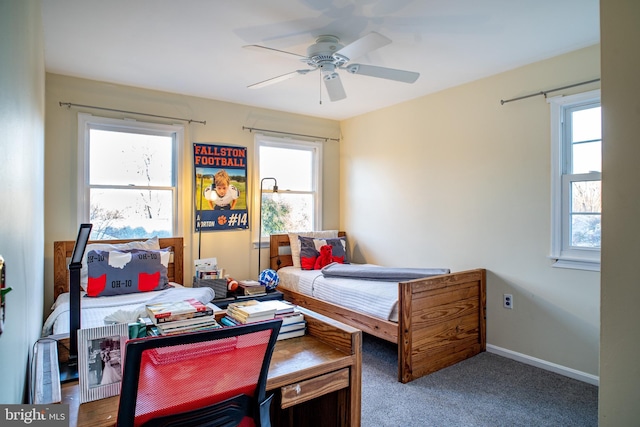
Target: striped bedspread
x,y
374,297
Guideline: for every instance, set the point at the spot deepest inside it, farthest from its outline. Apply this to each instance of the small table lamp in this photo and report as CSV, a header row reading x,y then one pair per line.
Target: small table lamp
x,y
275,190
69,370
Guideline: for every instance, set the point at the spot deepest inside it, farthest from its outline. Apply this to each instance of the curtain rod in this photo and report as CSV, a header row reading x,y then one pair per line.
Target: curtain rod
x,y
70,104
545,92
289,133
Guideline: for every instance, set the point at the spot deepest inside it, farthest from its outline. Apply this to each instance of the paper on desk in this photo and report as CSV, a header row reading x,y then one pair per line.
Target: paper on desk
x,y
124,316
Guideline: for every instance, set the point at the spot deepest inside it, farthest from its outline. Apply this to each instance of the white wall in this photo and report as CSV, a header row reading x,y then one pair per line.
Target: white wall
x,y
620,347
457,180
21,195
224,121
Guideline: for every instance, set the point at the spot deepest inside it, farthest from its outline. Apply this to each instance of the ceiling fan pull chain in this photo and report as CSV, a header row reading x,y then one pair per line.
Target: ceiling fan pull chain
x,y
320,87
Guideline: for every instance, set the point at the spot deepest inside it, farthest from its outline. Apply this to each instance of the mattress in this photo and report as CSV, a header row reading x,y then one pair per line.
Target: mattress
x,y
373,297
94,310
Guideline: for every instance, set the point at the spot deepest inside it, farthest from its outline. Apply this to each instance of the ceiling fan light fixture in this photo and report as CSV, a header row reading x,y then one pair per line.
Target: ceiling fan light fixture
x,y
328,55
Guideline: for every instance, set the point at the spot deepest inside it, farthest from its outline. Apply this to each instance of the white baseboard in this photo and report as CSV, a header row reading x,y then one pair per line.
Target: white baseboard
x,y
543,364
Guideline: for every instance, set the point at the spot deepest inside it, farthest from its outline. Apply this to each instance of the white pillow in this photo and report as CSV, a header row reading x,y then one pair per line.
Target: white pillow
x,y
151,244
295,243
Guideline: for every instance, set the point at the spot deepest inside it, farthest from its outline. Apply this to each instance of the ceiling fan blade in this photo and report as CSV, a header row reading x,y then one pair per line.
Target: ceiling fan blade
x,y
258,47
364,45
334,86
383,73
278,79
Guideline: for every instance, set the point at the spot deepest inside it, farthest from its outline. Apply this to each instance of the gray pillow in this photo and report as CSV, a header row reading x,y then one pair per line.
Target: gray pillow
x,y
126,272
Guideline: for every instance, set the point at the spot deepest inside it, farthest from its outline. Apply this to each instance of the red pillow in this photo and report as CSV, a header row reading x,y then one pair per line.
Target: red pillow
x,y
308,262
324,258
309,250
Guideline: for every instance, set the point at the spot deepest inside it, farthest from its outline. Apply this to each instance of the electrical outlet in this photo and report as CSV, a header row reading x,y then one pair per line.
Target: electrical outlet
x,y
507,301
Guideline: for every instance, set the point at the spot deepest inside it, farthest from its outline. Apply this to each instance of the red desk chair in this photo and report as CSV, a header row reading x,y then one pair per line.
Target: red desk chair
x,y
211,378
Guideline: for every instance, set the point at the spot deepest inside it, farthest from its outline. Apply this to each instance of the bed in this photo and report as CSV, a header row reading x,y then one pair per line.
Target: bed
x,y
435,321
94,310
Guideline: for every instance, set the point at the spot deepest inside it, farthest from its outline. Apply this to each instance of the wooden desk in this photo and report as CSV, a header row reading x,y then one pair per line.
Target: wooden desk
x,y
316,381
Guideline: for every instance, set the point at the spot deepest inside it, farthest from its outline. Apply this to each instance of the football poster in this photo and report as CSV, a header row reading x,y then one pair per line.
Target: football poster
x,y
221,187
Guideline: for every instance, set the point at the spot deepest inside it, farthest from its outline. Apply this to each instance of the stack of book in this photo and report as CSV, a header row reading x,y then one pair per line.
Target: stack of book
x,y
281,307
189,315
251,288
250,311
293,323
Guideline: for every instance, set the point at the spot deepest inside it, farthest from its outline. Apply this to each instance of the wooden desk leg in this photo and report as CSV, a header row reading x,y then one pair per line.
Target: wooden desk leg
x,y
356,381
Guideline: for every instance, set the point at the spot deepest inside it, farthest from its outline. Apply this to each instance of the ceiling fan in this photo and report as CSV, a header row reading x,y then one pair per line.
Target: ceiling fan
x,y
328,56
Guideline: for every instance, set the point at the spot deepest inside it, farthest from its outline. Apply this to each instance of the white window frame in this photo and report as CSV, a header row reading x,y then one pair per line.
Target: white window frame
x,y
565,257
316,148
86,122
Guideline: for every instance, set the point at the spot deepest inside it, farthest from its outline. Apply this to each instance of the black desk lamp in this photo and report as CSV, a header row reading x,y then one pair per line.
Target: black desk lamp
x,y
275,190
69,371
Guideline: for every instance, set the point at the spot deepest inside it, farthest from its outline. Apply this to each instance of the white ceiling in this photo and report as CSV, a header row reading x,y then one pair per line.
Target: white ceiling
x,y
195,47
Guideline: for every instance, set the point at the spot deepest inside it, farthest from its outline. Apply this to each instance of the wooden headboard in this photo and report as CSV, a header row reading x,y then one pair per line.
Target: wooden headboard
x,y
280,250
62,251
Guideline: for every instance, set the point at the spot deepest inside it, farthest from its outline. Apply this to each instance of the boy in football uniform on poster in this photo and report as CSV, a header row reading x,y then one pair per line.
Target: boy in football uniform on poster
x,y
221,195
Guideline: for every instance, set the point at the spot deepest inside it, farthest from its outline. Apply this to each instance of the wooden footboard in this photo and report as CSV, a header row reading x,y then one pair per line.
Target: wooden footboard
x,y
441,318
442,322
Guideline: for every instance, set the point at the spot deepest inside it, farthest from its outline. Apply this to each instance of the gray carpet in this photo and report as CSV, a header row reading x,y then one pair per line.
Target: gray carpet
x,y
486,390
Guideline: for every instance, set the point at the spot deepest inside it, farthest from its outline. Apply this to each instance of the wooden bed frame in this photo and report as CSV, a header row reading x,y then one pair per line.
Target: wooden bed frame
x,y
441,319
62,251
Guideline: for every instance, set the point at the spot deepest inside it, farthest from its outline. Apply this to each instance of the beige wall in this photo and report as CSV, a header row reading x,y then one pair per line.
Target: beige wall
x,y
620,347
490,206
467,240
21,196
457,180
224,121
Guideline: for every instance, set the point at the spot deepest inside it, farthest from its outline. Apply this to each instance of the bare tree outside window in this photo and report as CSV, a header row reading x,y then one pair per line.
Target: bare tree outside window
x,y
131,183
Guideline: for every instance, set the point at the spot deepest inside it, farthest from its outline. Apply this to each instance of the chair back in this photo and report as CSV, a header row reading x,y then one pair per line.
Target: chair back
x,y
214,378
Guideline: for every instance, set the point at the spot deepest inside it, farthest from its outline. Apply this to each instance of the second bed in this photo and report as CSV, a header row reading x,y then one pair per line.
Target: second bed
x,y
435,321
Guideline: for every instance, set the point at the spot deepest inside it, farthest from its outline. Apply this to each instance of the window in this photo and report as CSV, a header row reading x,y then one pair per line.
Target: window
x,y
296,166
576,137
128,177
